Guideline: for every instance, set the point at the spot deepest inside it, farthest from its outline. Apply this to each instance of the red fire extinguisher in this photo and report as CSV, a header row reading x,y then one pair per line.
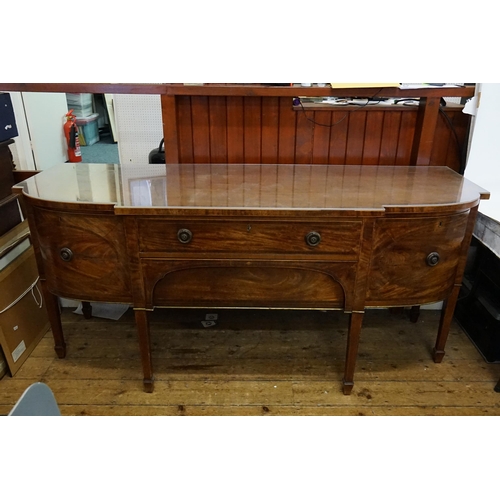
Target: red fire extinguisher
x,y
71,133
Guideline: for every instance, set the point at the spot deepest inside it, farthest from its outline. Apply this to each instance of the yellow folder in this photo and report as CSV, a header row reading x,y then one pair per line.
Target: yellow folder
x,y
362,85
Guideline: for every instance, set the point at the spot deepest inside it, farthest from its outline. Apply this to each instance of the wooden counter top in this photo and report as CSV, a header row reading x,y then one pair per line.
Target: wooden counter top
x,y
233,89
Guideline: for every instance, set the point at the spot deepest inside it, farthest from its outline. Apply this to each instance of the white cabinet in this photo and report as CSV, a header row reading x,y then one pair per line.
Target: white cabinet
x,y
40,118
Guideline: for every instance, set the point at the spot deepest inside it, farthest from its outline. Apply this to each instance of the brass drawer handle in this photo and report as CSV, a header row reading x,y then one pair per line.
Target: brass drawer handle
x,y
432,259
313,238
66,254
184,235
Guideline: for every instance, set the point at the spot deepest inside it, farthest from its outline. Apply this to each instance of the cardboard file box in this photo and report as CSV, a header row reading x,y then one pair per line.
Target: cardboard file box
x,y
23,317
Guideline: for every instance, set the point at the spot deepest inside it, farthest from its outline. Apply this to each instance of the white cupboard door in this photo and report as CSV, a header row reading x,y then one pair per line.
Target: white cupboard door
x,y
45,116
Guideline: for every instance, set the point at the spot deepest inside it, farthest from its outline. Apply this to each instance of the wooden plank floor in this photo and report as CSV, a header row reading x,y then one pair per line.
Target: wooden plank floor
x,y
260,363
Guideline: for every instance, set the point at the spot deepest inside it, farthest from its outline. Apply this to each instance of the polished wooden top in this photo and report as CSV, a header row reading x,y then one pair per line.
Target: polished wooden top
x,y
248,187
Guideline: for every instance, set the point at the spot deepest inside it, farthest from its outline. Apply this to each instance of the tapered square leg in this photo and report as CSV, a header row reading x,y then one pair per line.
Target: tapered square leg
x,y
142,323
497,387
355,323
414,313
54,314
444,324
347,387
86,310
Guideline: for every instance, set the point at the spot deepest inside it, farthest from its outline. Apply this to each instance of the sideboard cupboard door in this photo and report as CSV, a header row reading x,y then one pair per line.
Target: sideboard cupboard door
x,y
84,257
414,260
239,283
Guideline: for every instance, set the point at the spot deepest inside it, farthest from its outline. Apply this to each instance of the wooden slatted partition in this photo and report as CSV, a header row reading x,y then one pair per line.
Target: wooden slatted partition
x,y
256,123
269,129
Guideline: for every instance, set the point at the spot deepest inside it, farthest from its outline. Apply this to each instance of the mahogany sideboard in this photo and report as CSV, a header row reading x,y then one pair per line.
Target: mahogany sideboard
x,y
251,236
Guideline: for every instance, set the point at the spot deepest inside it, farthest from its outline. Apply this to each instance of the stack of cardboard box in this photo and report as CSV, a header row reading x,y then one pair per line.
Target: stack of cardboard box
x,y
23,317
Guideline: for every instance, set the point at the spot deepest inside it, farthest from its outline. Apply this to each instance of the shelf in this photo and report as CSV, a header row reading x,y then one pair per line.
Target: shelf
x,y
226,89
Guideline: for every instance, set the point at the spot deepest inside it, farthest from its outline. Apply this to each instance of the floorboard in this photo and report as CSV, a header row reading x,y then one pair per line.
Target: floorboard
x,y
261,362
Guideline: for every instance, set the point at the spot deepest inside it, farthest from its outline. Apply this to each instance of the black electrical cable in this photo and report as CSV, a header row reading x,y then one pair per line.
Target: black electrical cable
x,y
461,149
369,100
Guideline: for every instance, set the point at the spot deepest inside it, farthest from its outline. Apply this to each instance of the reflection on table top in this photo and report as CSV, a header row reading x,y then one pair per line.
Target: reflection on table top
x,y
253,186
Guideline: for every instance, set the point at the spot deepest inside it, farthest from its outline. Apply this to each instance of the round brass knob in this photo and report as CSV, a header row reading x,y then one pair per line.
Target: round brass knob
x,y
184,235
66,254
432,259
313,238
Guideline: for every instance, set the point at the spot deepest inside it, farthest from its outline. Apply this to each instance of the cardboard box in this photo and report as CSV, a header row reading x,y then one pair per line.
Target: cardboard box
x,y
23,317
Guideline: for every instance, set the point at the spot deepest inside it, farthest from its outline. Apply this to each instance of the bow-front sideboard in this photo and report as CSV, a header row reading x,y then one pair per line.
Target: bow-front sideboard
x,y
251,236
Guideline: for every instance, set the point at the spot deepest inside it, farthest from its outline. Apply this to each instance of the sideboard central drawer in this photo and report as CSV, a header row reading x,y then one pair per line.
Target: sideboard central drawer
x,y
340,240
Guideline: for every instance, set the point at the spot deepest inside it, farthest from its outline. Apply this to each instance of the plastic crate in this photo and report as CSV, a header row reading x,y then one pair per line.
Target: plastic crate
x,y
81,104
88,130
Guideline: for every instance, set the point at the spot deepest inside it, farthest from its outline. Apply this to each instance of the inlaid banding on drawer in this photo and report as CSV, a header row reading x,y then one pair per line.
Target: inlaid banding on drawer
x,y
338,239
